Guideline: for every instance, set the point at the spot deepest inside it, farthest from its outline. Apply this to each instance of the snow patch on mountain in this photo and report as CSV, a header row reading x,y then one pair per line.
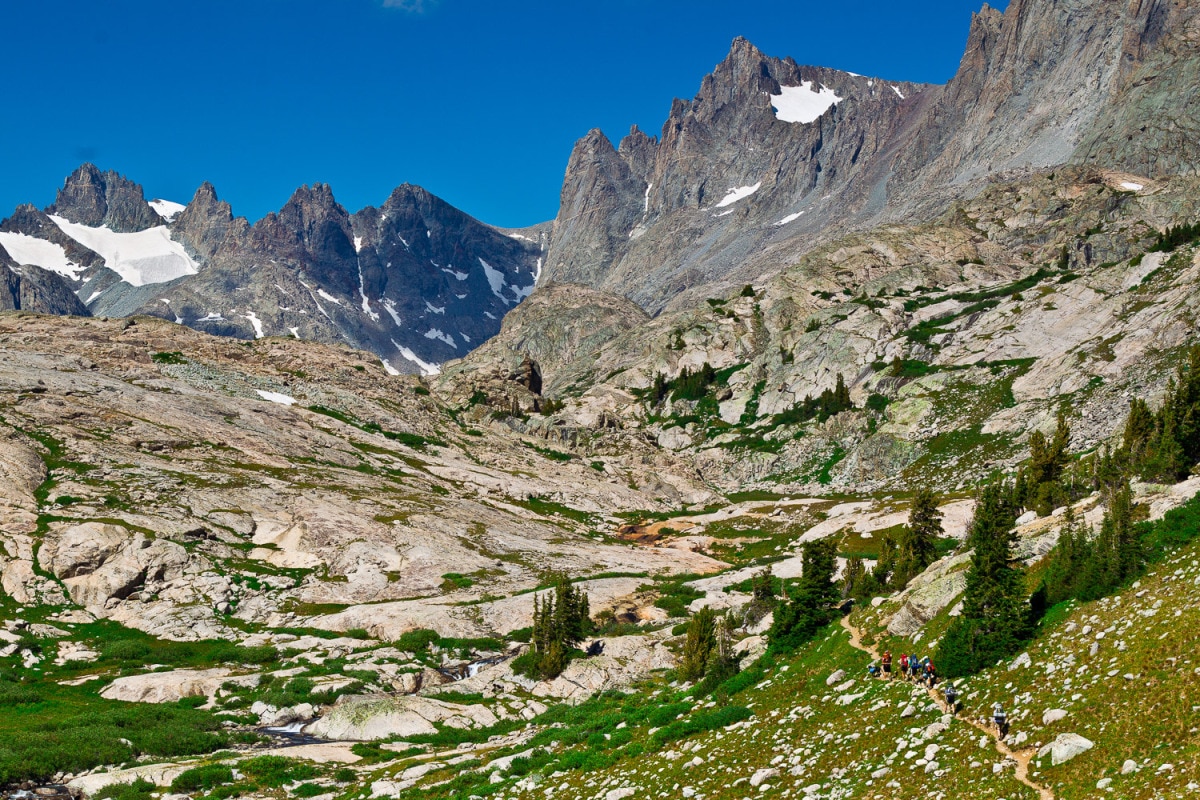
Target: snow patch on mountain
x,y
166,209
803,103
276,397
432,309
256,322
425,367
34,252
739,193
435,333
145,257
495,279
329,297
390,308
790,218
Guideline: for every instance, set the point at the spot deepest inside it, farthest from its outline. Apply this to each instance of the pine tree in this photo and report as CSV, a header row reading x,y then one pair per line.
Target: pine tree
x,y
1068,561
1042,487
917,547
887,560
995,618
808,606
701,642
560,622
853,576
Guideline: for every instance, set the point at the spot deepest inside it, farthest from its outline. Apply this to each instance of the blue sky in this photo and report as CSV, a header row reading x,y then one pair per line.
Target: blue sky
x,y
478,101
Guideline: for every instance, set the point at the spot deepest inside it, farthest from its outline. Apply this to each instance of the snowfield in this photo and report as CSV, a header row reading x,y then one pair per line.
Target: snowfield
x,y
166,209
803,103
34,252
142,258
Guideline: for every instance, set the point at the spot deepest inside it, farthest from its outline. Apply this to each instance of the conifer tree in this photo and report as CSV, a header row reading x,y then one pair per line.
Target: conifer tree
x,y
853,576
1068,561
918,542
807,607
701,642
887,560
560,622
994,619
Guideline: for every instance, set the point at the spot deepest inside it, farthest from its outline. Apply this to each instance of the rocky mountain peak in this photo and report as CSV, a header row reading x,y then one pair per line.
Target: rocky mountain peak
x,y
95,198
205,223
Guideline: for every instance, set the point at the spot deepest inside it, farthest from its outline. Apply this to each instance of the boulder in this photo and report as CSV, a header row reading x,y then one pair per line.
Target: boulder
x,y
1065,747
763,775
837,677
929,593
373,717
1053,715
82,549
170,687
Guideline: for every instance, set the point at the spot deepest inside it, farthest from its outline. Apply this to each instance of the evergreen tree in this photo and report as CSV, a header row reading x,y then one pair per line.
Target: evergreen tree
x,y
1042,489
918,542
1068,561
807,607
762,595
887,560
701,642
853,576
1116,555
560,622
994,619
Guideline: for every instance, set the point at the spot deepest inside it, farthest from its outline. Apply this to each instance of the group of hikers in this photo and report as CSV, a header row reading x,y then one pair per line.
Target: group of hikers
x,y
921,670
912,668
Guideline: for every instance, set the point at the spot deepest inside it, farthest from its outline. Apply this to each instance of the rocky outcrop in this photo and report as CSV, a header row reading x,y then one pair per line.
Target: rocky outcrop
x,y
101,563
38,291
370,718
173,686
929,593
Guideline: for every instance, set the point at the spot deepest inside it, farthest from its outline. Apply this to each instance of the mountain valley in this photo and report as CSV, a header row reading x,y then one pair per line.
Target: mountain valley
x,y
395,503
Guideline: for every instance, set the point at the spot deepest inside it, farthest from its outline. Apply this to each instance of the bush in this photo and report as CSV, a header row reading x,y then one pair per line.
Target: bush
x,y
275,771
309,790
699,723
15,694
205,778
418,640
138,790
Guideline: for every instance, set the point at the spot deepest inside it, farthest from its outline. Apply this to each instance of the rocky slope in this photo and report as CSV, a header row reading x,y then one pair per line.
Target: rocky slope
x,y
1038,294
415,281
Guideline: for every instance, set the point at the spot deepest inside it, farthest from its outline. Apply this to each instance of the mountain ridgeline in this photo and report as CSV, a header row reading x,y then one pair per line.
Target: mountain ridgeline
x,y
415,281
768,161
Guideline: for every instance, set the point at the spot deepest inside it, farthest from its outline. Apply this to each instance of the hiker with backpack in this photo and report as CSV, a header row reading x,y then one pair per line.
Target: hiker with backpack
x,y
951,698
904,666
887,664
1001,720
930,673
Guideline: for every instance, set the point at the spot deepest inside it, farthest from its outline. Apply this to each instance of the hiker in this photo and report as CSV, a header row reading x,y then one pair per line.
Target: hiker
x,y
952,698
930,673
887,664
1001,720
904,666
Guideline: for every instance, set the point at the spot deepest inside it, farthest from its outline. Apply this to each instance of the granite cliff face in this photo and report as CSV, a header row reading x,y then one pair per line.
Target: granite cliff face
x,y
1043,84
752,159
416,281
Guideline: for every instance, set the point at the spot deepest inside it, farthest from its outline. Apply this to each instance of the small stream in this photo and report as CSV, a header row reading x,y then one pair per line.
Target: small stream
x,y
291,735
